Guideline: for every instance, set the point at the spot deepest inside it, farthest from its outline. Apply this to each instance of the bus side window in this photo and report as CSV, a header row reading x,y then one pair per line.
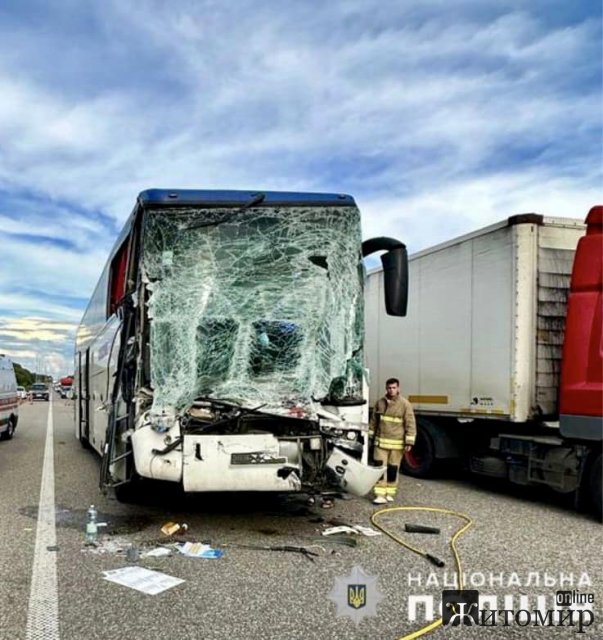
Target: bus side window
x,y
117,278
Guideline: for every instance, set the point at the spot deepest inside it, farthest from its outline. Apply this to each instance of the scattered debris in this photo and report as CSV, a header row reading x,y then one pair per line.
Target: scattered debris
x,y
105,544
303,550
338,522
133,554
344,540
199,550
157,552
144,580
172,528
354,530
53,547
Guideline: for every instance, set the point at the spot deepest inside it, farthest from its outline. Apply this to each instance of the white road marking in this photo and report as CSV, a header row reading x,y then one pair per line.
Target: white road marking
x,y
43,612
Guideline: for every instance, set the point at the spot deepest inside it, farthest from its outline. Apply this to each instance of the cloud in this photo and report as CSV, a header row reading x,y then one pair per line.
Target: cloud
x,y
41,344
424,219
438,117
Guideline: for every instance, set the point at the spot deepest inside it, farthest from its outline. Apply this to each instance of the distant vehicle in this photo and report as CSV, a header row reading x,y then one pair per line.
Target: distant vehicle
x,y
39,391
21,393
9,399
65,386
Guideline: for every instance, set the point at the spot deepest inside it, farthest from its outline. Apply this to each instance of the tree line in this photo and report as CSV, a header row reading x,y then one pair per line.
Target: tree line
x,y
25,377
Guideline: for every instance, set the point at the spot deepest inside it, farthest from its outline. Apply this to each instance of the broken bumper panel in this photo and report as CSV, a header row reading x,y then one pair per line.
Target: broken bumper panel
x,y
353,476
237,463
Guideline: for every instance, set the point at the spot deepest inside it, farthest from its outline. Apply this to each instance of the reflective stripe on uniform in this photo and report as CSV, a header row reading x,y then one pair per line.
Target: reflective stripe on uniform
x,y
387,443
391,490
380,490
391,419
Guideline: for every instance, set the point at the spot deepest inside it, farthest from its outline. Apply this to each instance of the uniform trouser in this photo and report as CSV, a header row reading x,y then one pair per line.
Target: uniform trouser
x,y
390,459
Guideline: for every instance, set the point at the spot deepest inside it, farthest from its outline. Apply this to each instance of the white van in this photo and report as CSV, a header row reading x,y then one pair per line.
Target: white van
x,y
9,400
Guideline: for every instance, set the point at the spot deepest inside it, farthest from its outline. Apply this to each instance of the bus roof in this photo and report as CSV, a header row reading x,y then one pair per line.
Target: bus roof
x,y
209,198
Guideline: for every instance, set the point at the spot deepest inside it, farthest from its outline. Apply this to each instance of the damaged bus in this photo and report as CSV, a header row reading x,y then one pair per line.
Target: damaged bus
x,y
222,348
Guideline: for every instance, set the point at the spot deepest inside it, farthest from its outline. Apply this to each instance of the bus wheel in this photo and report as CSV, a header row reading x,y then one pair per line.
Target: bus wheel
x,y
596,491
129,492
10,430
420,461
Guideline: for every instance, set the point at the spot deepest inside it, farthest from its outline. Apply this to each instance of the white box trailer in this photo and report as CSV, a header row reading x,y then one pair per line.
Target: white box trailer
x,y
483,333
480,351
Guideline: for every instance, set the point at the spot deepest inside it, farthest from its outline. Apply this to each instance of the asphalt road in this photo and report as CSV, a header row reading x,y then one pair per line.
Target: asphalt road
x,y
260,594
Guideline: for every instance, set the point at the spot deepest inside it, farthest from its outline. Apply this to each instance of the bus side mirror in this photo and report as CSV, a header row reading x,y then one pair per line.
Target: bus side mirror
x,y
395,281
395,272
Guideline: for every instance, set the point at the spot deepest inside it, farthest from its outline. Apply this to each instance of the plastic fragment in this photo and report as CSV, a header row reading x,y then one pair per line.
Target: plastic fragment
x,y
353,530
157,552
173,528
199,550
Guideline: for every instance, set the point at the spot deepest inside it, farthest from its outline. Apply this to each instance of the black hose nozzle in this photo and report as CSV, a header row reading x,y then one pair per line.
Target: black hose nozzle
x,y
419,528
434,560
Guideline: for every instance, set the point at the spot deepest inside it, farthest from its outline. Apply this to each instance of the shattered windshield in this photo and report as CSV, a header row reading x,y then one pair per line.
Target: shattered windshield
x,y
260,308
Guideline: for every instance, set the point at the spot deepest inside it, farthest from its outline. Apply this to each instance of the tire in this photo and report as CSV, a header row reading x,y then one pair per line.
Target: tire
x,y
84,441
10,430
420,462
596,490
129,493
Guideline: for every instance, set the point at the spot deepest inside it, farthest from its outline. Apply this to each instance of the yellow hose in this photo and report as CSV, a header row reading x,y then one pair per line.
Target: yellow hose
x,y
468,522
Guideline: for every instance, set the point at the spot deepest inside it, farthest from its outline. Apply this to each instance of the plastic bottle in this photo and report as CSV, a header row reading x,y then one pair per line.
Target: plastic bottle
x,y
92,526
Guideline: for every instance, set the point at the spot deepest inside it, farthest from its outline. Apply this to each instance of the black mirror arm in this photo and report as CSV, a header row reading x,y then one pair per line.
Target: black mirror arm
x,y
380,244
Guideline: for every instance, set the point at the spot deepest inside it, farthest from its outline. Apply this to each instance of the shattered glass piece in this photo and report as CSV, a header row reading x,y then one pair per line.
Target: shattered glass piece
x,y
264,307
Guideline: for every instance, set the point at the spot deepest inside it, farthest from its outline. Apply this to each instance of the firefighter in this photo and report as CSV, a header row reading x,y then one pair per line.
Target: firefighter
x,y
394,429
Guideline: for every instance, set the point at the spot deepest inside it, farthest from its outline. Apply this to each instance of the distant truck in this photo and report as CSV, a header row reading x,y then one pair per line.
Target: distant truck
x,y
65,385
501,352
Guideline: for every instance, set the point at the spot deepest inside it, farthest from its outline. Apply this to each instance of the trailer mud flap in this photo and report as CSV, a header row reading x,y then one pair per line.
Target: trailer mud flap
x,y
353,476
250,462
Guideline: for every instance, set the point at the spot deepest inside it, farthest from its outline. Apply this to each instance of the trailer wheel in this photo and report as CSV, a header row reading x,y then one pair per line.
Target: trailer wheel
x,y
420,461
596,490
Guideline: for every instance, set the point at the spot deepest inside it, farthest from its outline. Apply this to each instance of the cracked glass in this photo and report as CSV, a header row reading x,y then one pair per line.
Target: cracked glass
x,y
260,307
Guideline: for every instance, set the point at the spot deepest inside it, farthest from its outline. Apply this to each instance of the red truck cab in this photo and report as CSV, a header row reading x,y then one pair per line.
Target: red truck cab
x,y
581,389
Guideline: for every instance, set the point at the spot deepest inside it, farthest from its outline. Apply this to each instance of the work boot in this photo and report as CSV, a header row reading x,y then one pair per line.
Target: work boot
x,y
380,500
389,498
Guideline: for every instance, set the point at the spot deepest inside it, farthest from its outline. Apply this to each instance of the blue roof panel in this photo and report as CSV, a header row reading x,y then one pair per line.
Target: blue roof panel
x,y
199,197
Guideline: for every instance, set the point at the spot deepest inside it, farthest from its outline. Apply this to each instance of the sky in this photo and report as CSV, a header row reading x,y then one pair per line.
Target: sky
x,y
438,116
